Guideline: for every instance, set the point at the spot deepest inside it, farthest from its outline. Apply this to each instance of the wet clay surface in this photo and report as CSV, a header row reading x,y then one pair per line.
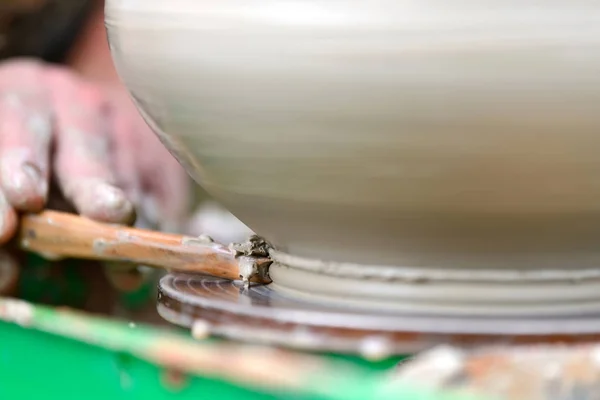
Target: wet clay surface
x,y
382,132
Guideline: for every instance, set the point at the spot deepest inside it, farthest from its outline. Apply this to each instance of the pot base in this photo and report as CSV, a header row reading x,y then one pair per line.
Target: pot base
x,y
427,291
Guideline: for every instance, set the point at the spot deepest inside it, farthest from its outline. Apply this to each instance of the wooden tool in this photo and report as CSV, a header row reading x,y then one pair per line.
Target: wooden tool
x,y
67,235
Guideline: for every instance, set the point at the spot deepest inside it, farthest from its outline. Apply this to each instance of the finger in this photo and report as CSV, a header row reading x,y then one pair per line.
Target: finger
x,y
165,182
126,145
8,220
83,156
25,136
145,168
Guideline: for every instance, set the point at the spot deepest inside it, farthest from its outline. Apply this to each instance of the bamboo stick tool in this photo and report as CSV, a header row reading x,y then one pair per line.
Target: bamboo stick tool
x,y
68,235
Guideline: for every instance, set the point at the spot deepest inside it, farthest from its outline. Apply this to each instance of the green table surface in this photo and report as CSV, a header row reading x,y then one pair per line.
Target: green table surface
x,y
60,354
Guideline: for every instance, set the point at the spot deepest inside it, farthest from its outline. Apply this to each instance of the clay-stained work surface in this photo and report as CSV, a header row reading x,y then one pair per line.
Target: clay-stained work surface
x,y
512,373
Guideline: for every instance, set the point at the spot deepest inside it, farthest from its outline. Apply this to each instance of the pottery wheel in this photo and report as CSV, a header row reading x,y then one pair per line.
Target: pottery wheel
x,y
267,315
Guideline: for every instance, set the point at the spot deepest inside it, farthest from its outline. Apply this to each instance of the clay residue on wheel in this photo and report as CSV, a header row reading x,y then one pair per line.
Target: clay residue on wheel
x,y
253,258
255,246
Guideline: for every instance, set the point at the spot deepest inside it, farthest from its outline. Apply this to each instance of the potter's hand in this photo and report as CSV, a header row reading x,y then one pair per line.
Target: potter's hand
x,y
90,140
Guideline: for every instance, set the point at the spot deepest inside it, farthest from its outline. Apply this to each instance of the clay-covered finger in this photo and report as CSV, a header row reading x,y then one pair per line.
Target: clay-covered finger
x,y
83,151
25,138
141,161
165,182
126,146
8,220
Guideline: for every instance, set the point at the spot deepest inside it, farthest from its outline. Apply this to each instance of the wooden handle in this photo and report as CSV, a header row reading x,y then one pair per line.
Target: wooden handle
x,y
68,235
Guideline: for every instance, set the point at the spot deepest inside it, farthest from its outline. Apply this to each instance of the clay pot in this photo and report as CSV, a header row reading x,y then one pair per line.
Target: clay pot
x,y
422,134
